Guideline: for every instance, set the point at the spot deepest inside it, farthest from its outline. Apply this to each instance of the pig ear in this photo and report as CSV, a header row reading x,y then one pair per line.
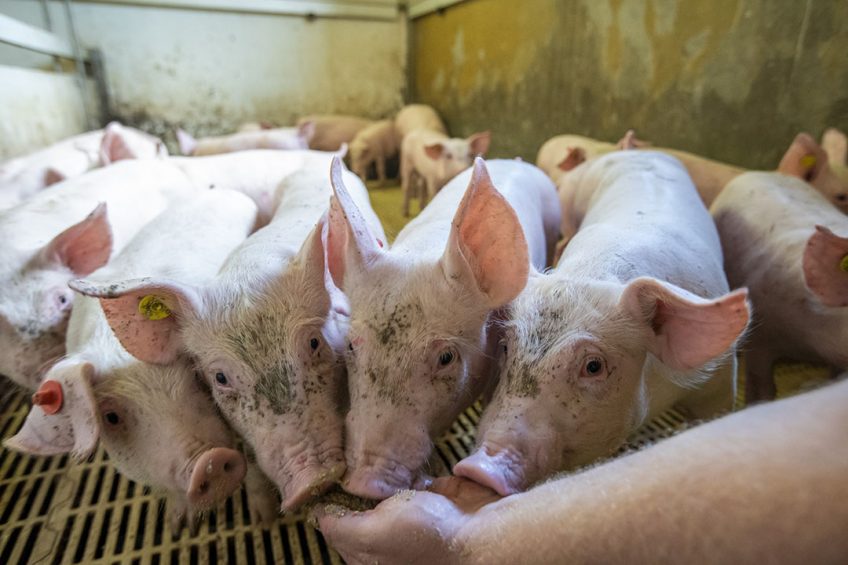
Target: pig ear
x,y
835,144
115,146
350,243
306,131
487,243
576,155
145,314
804,159
53,176
434,150
826,267
312,254
688,331
630,141
478,143
64,416
187,143
83,247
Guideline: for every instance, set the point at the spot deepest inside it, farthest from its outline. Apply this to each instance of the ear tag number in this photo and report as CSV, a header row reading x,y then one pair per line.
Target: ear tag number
x,y
152,308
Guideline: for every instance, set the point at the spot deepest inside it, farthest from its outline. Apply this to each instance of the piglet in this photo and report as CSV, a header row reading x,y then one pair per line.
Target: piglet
x,y
275,138
562,153
374,144
330,132
157,423
418,116
266,334
67,233
421,330
788,244
435,158
636,318
24,176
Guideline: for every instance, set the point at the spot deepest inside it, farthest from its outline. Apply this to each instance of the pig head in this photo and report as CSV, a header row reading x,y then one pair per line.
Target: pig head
x,y
575,362
36,301
416,349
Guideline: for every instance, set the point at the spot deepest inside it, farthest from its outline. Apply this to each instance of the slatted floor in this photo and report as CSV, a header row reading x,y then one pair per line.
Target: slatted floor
x,y
53,511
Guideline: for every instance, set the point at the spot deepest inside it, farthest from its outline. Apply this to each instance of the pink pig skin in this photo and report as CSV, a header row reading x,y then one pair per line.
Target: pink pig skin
x,y
21,177
431,159
275,138
785,242
636,318
418,116
158,424
331,131
374,144
423,312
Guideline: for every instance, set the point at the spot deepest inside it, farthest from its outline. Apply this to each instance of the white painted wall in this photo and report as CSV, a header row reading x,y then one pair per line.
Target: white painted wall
x,y
209,71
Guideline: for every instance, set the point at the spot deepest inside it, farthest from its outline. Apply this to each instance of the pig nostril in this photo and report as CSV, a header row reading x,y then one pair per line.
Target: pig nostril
x,y
204,486
227,467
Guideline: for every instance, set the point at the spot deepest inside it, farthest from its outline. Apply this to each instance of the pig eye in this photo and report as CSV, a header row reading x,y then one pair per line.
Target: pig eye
x,y
594,366
313,343
446,357
221,378
113,418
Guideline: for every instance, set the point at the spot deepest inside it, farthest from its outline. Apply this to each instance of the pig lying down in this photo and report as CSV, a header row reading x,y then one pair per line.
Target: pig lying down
x,y
66,233
157,423
421,330
330,132
266,334
636,318
275,138
788,244
21,177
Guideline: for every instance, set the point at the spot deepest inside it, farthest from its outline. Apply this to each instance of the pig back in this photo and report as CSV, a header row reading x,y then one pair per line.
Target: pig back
x,y
418,116
637,213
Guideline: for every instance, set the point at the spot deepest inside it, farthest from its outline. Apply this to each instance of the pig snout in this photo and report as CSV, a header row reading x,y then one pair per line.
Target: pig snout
x,y
502,470
217,474
377,477
310,482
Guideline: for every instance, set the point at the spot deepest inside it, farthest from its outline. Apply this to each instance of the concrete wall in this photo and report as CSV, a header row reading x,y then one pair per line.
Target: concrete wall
x,y
732,79
209,71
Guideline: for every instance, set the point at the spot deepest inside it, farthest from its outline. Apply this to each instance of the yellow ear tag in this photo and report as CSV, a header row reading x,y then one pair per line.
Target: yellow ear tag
x,y
808,161
844,264
152,308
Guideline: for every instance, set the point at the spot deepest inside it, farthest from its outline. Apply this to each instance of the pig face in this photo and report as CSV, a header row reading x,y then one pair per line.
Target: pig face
x,y
573,371
36,301
268,352
415,353
121,143
158,425
454,155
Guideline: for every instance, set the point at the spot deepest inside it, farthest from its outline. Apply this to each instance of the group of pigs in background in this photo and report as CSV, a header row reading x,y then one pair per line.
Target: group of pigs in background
x,y
141,306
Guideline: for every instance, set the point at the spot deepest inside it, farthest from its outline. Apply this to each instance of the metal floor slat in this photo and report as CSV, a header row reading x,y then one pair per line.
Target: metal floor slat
x,y
53,511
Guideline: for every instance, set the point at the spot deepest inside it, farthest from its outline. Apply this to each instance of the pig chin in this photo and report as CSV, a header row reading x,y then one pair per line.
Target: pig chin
x,y
377,476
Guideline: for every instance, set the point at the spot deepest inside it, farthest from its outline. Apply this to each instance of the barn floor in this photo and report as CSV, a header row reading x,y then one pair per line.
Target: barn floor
x,y
54,511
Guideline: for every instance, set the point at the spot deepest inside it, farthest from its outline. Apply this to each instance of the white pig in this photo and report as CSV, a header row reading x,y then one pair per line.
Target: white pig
x,y
435,158
256,173
788,244
62,234
635,318
275,138
420,334
562,153
374,144
157,423
21,177
266,335
418,116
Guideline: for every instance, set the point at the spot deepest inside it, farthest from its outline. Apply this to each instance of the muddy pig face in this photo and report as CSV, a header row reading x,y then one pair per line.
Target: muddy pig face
x,y
415,353
573,366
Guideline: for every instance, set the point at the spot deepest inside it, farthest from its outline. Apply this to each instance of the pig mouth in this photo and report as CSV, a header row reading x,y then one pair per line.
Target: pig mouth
x,y
381,478
310,483
501,469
